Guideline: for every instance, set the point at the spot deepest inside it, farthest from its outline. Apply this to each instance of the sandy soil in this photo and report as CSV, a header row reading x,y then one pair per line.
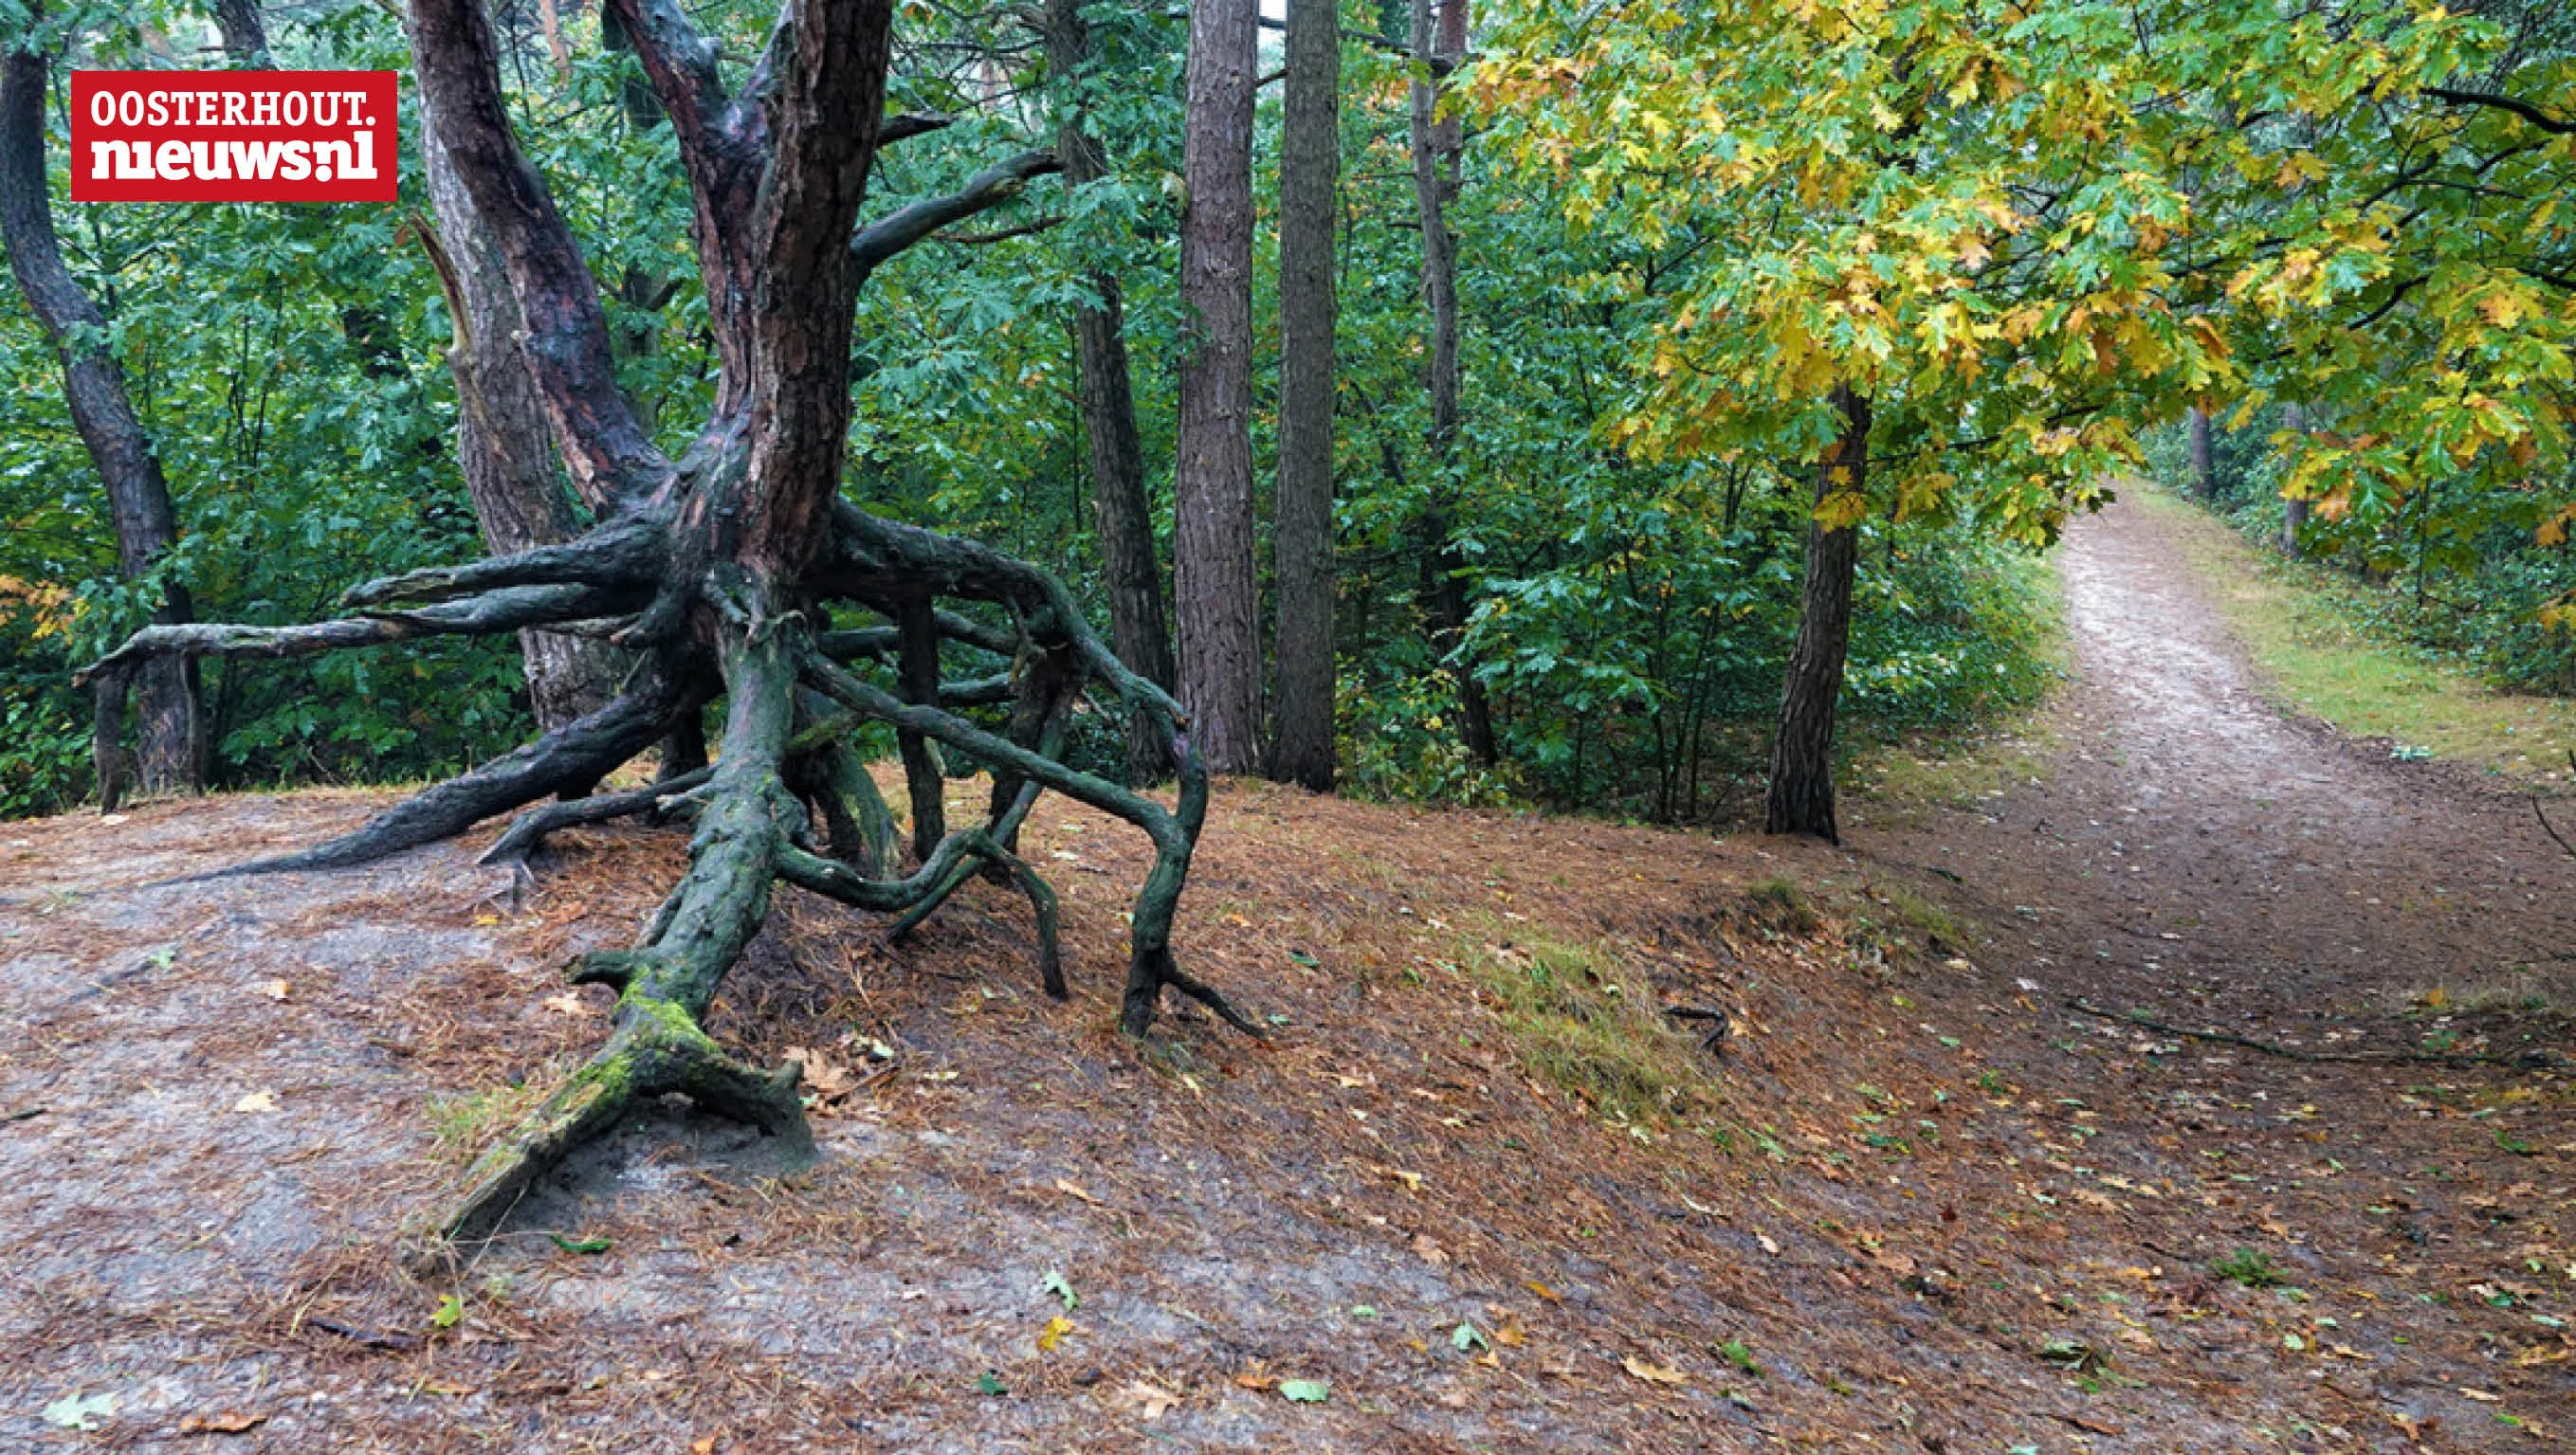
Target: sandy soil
x,y
1914,1200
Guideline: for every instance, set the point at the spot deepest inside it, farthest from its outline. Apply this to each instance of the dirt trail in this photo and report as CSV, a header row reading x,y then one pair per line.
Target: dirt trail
x,y
1910,1202
2200,856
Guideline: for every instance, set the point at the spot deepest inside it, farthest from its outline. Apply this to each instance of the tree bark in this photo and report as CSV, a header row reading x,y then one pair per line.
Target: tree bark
x,y
2294,510
1121,509
503,443
1440,41
1301,749
1801,797
1216,581
2204,469
171,747
245,35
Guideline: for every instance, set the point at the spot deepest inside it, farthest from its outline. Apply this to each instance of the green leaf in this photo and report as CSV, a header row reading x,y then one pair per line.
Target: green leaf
x,y
1305,1391
80,1411
450,1313
1056,1285
1466,1336
580,1245
991,1383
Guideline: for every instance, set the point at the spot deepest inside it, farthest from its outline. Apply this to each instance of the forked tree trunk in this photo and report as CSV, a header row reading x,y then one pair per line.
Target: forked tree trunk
x,y
170,754
1122,513
2204,470
1440,40
720,567
1801,797
1216,585
503,445
1301,746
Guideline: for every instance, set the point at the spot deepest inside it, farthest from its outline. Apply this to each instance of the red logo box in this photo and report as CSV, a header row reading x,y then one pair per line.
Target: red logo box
x,y
233,136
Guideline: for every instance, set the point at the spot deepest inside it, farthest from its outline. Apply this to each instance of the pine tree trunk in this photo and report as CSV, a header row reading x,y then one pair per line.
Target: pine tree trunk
x,y
1301,749
2204,469
1801,798
170,751
503,443
1215,581
1440,39
1121,510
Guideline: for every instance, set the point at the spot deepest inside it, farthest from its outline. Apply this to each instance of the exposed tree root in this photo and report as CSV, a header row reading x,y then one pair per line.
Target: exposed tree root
x,y
722,570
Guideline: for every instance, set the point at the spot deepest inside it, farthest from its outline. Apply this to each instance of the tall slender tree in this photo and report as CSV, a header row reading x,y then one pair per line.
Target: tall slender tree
x,y
1439,43
1121,510
171,750
1301,747
1216,582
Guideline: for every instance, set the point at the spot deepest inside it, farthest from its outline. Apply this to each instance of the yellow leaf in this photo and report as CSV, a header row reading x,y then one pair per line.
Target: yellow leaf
x,y
1054,1332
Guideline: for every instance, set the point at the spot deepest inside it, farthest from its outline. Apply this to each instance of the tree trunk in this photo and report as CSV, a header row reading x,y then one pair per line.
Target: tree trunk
x,y
171,749
1215,580
1801,799
1123,513
1301,749
2294,509
503,443
2204,469
1441,42
245,35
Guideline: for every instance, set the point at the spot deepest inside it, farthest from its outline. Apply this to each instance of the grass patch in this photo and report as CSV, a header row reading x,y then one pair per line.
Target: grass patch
x,y
1586,1026
2248,1267
2303,626
1780,905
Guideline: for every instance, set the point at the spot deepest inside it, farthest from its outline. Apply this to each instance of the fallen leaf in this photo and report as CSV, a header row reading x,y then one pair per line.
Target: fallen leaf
x,y
2482,1397
1652,1373
1148,1401
228,1423
275,989
1428,1249
827,1081
1054,1332
1767,1245
1545,1292
580,1245
706,1446
257,1101
1069,1190
449,1313
567,1002
1305,1391
1054,1283
80,1411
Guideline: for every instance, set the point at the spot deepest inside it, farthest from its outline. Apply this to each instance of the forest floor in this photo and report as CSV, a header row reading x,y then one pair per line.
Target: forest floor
x,y
1475,1191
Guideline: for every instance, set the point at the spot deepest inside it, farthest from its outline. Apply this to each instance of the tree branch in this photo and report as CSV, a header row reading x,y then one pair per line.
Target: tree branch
x,y
986,190
2518,107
